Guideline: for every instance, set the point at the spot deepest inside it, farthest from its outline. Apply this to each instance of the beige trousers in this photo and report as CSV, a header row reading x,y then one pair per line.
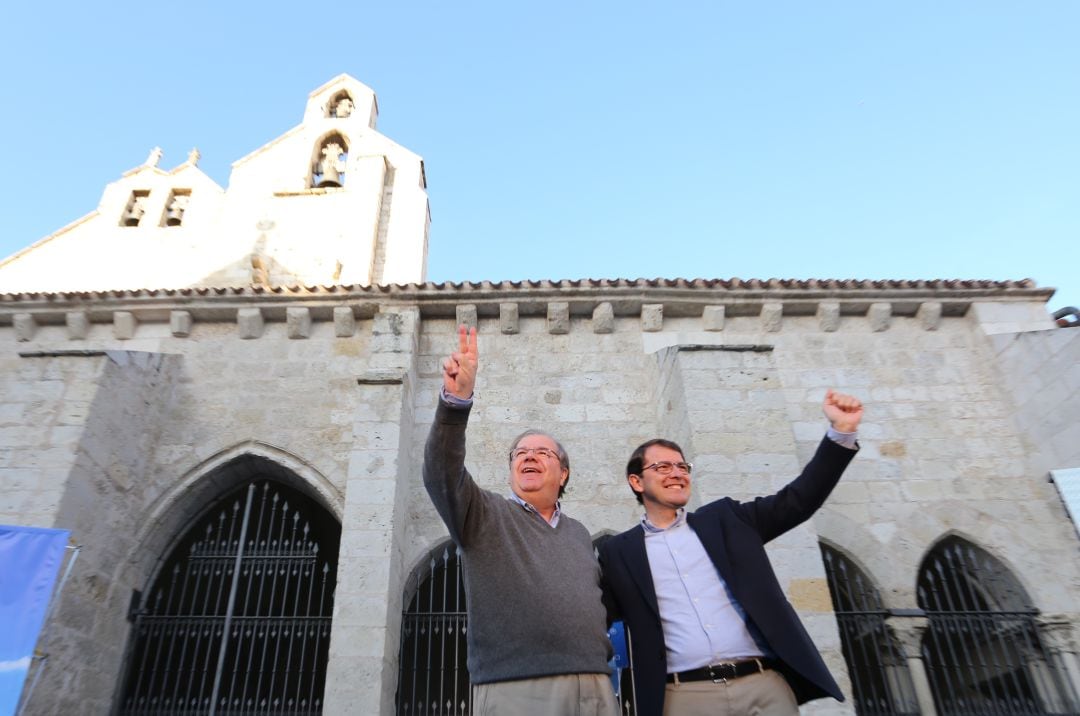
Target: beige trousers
x,y
764,694
566,695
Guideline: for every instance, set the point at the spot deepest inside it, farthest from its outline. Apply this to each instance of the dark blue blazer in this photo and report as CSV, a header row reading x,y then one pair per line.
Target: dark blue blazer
x,y
734,535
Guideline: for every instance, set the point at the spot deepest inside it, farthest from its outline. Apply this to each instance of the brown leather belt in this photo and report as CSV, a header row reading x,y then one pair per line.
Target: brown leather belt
x,y
719,673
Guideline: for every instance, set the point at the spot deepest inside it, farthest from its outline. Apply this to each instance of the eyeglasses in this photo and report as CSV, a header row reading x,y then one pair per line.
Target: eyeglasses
x,y
541,452
666,467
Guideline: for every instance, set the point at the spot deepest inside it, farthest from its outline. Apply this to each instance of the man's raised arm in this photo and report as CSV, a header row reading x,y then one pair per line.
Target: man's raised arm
x,y
449,485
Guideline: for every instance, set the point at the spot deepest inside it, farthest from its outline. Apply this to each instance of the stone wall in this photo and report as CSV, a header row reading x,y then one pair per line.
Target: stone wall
x,y
103,502
127,448
1040,370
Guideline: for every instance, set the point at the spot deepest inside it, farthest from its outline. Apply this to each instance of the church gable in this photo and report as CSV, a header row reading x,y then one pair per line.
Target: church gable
x,y
330,201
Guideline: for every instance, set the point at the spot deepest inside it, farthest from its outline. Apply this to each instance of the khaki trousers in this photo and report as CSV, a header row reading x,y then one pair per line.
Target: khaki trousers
x,y
764,694
565,695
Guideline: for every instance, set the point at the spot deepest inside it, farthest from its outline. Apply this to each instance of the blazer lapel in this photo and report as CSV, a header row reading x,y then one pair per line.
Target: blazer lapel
x,y
636,561
708,531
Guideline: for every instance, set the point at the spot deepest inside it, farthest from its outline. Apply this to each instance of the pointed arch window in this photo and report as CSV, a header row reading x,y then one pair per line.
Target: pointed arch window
x,y
329,164
238,618
433,677
983,650
879,675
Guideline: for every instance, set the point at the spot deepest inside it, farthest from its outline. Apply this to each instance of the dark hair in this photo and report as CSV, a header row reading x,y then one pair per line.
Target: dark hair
x,y
564,459
637,460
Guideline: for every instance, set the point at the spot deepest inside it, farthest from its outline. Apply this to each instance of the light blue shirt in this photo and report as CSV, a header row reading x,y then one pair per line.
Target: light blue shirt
x,y
554,521
703,623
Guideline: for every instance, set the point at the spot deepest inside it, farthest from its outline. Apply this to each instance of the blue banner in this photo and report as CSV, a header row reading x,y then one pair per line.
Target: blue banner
x,y
617,634
30,558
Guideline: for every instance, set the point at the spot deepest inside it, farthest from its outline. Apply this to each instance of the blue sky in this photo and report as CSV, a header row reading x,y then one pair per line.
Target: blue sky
x,y
601,139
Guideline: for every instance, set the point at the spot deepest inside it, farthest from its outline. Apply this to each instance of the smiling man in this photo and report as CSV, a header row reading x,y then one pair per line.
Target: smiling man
x,y
710,629
537,640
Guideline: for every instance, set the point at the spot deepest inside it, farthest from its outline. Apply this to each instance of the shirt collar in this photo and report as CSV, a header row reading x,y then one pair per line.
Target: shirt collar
x,y
680,519
529,508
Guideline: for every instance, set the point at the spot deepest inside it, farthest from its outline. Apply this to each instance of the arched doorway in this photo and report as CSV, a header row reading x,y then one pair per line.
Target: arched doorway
x,y
879,674
433,678
983,650
237,620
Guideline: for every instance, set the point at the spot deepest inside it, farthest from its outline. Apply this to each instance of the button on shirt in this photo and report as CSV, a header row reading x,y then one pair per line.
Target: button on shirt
x,y
703,623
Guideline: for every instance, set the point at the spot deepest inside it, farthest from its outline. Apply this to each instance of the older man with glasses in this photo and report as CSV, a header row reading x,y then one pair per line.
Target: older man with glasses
x,y
537,640
710,629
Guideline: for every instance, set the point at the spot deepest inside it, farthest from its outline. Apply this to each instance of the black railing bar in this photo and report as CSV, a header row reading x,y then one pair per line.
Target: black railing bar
x,y
284,592
1000,655
230,605
318,637
986,614
268,523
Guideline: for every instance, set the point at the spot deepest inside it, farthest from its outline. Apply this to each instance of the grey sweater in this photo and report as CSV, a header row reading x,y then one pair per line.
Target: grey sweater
x,y
533,591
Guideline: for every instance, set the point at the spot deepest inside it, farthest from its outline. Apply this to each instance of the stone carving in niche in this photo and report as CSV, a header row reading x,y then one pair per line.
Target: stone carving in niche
x,y
135,209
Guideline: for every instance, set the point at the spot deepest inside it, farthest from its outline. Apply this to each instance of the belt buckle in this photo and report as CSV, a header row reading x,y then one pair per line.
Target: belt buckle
x,y
718,678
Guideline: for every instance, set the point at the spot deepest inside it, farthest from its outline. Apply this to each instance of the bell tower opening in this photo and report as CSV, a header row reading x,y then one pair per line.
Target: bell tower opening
x,y
330,162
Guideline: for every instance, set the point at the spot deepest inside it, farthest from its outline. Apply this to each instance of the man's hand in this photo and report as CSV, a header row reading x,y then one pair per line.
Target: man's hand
x,y
843,411
459,370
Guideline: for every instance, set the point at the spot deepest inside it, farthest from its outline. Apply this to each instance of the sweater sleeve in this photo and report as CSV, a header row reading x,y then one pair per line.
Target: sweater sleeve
x,y
456,497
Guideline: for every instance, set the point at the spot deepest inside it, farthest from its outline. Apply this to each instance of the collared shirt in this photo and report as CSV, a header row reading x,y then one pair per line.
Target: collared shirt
x,y
702,621
554,521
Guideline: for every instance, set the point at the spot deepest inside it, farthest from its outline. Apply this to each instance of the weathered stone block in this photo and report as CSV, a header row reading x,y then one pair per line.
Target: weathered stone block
x,y
298,322
124,324
712,318
466,315
652,317
558,317
603,318
249,323
880,315
25,326
78,324
810,595
180,323
344,322
929,315
828,314
772,316
508,318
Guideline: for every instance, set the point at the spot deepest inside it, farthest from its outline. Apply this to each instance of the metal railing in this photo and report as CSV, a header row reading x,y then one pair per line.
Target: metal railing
x,y
880,681
433,679
239,621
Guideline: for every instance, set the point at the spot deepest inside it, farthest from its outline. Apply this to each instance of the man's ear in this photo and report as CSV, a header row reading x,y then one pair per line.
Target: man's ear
x,y
635,483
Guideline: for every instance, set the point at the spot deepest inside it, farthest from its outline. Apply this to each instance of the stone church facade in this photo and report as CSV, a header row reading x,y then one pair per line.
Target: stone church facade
x,y
281,333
